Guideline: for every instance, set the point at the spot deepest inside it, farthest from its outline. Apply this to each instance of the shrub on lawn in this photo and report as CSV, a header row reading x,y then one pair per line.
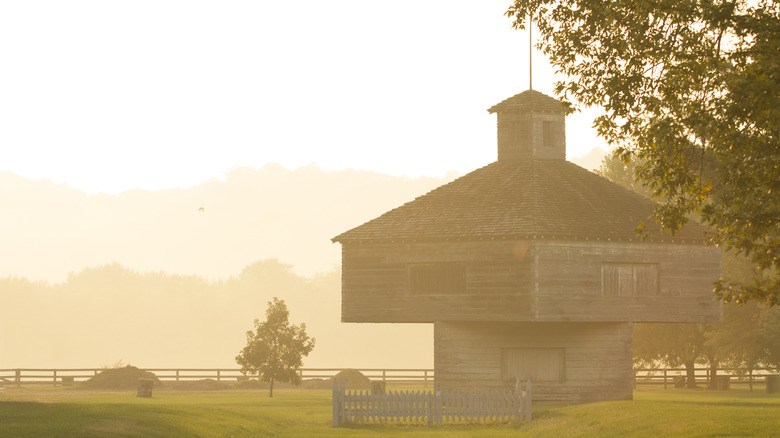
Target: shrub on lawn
x,y
120,378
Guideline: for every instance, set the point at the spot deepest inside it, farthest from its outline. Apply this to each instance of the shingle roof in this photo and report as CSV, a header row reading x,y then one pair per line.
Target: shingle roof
x,y
529,100
551,199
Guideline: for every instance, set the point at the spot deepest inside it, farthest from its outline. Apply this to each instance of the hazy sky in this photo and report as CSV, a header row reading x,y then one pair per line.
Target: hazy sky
x,y
114,95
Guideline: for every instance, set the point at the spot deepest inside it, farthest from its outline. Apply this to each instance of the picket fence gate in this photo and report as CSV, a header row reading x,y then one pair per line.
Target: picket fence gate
x,y
432,408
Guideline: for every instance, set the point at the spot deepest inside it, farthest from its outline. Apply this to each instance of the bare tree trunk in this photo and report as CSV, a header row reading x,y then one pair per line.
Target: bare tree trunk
x,y
271,393
690,372
713,384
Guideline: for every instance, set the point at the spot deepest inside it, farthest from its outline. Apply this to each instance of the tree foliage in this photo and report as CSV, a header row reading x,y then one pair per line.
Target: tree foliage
x,y
275,350
747,338
745,341
691,88
672,344
620,172
769,330
739,342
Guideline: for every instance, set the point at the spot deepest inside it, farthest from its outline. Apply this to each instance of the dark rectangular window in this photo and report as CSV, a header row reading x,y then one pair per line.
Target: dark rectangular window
x,y
629,279
437,278
536,364
548,134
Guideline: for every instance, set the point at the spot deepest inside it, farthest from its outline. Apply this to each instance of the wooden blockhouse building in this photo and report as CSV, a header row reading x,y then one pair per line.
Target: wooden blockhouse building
x,y
529,267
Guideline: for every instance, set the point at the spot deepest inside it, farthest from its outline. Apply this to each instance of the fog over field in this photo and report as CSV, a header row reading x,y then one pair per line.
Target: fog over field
x,y
105,314
174,278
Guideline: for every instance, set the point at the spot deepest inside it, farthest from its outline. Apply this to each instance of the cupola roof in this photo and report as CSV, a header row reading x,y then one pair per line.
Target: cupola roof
x,y
529,100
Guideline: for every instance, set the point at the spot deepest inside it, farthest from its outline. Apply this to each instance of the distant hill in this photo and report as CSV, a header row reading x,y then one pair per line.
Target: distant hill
x,y
212,230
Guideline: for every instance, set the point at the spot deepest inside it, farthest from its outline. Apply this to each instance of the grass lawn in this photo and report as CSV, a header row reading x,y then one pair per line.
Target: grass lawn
x,y
69,412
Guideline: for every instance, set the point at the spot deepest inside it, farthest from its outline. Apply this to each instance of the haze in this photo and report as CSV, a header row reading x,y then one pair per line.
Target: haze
x,y
139,188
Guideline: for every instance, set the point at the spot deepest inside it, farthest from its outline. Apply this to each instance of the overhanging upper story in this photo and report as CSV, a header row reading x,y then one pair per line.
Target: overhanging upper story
x,y
529,280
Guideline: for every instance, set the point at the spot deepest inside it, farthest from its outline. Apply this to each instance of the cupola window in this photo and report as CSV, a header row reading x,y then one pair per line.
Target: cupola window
x,y
548,134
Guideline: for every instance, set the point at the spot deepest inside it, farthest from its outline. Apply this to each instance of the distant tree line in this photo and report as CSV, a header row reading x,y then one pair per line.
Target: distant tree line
x,y
159,319
103,313
748,339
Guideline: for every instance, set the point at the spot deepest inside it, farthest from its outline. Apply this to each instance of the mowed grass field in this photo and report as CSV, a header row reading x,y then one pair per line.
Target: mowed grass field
x,y
69,412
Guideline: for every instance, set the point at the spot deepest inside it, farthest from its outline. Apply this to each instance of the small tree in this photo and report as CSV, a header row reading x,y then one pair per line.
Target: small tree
x,y
275,349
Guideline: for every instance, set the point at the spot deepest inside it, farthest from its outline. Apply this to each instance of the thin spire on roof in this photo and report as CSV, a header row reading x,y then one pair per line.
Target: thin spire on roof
x,y
530,53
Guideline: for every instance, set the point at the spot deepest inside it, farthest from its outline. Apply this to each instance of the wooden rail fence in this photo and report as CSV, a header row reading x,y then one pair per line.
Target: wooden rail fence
x,y
670,376
642,376
432,408
32,376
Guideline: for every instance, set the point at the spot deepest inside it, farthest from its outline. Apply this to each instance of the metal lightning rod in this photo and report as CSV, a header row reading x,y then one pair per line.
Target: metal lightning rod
x,y
530,54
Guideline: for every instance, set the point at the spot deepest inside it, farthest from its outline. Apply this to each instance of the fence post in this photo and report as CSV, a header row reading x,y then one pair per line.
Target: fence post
x,y
519,395
529,397
219,375
384,375
55,377
343,402
18,377
664,378
429,419
439,407
335,403
177,375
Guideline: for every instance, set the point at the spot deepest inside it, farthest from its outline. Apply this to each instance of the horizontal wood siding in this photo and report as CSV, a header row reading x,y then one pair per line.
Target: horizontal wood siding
x,y
376,287
597,357
569,285
540,280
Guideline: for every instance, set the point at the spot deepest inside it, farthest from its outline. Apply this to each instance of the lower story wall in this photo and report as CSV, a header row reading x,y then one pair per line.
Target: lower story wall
x,y
567,362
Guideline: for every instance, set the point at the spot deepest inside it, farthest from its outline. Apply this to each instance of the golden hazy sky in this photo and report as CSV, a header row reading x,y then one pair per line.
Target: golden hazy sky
x,y
113,95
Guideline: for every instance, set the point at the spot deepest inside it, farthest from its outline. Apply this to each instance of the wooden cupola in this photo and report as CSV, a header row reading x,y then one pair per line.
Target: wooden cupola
x,y
531,125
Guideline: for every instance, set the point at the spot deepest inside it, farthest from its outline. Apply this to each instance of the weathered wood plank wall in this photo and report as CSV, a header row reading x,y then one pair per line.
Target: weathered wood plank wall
x,y
597,357
536,280
375,282
568,278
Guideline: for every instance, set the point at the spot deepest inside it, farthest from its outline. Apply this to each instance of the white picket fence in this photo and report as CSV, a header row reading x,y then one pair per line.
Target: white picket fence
x,y
432,408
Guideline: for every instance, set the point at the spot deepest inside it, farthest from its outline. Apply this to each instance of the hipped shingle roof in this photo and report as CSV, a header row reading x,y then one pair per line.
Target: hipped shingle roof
x,y
550,199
